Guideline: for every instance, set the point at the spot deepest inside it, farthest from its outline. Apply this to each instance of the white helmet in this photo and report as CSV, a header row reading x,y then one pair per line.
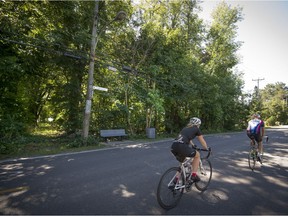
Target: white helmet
x,y
256,115
195,121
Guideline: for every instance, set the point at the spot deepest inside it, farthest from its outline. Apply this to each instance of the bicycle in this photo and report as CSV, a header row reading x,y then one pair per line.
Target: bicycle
x,y
173,182
253,154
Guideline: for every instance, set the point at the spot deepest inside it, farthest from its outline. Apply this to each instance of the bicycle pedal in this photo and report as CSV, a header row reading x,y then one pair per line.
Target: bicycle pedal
x,y
188,186
188,189
190,182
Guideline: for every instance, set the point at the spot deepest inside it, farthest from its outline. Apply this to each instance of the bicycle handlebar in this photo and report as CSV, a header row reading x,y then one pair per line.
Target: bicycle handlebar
x,y
207,150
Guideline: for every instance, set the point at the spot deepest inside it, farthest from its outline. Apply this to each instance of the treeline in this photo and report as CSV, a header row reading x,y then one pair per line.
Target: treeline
x,y
162,65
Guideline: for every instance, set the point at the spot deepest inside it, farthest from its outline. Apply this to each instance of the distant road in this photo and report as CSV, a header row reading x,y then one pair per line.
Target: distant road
x,y
123,180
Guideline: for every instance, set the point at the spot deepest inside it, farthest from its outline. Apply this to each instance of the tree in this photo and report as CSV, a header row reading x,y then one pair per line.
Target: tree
x,y
220,59
274,100
180,68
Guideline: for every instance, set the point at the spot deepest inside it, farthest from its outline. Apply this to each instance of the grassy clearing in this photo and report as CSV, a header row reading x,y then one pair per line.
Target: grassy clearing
x,y
35,146
47,141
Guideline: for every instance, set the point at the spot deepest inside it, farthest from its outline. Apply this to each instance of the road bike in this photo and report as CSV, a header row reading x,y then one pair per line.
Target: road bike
x,y
177,179
253,155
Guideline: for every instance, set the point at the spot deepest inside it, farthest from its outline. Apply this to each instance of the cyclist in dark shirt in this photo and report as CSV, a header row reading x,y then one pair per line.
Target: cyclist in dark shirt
x,y
182,146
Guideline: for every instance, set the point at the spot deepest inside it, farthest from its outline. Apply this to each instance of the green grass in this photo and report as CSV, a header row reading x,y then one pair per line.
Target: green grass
x,y
45,141
41,145
48,141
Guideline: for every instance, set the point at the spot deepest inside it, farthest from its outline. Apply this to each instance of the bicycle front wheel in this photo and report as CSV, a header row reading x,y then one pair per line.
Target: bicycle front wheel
x,y
252,159
205,174
170,188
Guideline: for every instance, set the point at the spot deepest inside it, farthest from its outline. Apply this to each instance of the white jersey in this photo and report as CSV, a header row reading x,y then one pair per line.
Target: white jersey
x,y
255,125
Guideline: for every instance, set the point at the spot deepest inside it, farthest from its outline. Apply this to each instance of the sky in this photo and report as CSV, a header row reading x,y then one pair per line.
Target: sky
x,y
264,33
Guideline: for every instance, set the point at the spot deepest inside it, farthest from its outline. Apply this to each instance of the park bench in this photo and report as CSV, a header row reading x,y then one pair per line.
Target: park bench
x,y
112,133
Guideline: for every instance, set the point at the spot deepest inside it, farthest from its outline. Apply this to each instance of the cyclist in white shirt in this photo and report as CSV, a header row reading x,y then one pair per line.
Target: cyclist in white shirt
x,y
255,130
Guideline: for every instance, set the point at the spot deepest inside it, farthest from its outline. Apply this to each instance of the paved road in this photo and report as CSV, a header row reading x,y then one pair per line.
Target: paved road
x,y
123,180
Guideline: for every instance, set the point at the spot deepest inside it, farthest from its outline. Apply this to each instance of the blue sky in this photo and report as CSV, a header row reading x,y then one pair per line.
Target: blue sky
x,y
264,33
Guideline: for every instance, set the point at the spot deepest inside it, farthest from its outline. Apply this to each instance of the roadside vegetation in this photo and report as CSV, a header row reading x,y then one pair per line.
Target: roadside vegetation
x,y
44,141
162,65
47,141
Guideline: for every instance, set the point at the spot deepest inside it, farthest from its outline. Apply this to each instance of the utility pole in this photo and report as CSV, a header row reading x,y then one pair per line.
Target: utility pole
x,y
258,80
121,15
91,73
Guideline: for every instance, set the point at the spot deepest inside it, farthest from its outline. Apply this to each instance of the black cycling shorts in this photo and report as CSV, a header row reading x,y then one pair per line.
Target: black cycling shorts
x,y
181,151
257,137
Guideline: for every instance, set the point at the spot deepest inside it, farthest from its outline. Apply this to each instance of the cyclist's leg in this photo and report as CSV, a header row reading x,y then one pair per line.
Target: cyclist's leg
x,y
252,157
195,162
260,147
255,142
176,151
259,143
252,139
258,139
187,151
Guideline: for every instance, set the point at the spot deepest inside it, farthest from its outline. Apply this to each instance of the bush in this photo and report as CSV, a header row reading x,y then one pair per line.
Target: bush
x,y
270,121
10,127
7,149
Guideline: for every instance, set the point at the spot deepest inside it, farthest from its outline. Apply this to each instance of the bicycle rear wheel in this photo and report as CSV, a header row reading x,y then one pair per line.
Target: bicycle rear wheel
x,y
169,193
205,174
252,157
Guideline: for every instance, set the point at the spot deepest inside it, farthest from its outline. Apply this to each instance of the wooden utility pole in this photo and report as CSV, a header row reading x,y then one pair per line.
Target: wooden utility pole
x,y
258,80
121,15
89,95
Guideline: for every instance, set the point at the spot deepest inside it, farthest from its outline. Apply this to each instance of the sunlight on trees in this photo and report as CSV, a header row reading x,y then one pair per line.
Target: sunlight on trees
x,y
180,67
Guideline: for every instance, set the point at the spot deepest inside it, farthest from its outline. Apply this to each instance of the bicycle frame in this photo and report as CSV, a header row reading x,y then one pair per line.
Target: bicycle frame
x,y
254,142
187,162
253,154
202,169
254,145
253,151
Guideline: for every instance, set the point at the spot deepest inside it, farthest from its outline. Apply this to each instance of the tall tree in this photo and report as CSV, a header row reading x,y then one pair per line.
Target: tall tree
x,y
220,59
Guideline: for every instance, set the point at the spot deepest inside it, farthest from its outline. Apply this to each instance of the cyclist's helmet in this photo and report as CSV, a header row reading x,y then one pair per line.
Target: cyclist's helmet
x,y
257,115
195,121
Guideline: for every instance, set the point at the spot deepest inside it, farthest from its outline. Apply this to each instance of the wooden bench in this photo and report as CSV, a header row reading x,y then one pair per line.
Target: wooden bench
x,y
112,133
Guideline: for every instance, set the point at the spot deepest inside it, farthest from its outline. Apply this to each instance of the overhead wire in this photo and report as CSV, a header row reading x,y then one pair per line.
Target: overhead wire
x,y
133,73
68,52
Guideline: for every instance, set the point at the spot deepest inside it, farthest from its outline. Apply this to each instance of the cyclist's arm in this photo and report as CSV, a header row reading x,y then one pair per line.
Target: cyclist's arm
x,y
262,129
248,128
202,141
263,132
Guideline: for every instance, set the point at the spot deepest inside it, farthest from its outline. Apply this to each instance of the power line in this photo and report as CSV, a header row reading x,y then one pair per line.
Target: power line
x,y
101,58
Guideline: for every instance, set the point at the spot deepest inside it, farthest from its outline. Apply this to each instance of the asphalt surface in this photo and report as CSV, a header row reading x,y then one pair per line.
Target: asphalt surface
x,y
123,178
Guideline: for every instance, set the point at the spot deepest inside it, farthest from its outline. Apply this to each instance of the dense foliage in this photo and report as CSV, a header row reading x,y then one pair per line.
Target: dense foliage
x,y
178,67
